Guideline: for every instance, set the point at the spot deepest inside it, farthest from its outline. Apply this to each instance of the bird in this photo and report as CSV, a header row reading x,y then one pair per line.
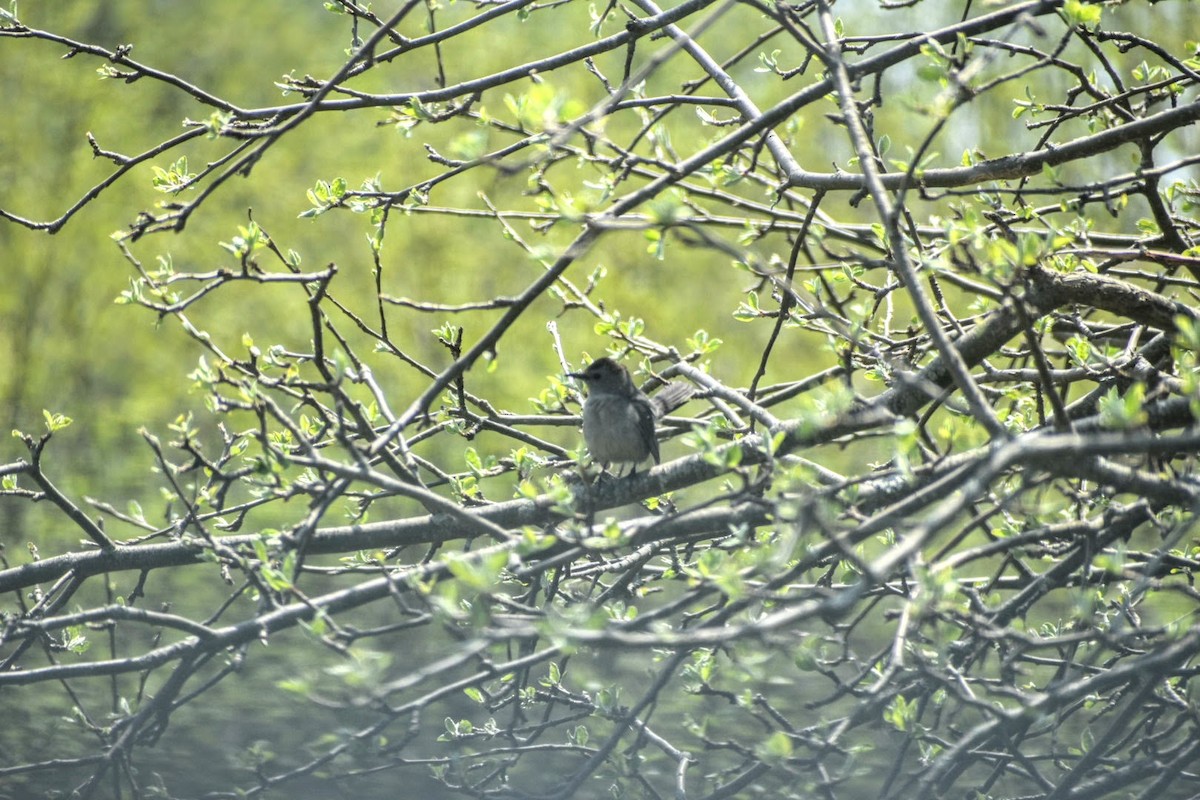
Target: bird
x,y
618,418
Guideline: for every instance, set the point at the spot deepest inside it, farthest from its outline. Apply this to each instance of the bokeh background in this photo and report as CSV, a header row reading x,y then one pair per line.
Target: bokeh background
x,y
66,346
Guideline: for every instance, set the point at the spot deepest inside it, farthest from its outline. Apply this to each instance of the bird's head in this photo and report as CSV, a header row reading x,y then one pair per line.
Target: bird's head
x,y
605,375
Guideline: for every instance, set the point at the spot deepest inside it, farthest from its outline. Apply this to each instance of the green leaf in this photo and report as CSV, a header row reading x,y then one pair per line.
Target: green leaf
x,y
776,747
901,713
480,573
1123,412
55,422
1082,14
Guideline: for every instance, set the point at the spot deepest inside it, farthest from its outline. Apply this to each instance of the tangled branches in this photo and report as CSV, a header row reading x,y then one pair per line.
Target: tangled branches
x,y
926,530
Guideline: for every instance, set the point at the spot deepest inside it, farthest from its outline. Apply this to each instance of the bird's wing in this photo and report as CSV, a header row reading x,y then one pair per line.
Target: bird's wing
x,y
647,413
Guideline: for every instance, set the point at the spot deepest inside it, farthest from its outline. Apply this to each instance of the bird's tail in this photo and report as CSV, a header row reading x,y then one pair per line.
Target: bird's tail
x,y
670,397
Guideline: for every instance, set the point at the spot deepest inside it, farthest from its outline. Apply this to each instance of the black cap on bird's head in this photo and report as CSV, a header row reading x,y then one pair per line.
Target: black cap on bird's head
x,y
604,374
